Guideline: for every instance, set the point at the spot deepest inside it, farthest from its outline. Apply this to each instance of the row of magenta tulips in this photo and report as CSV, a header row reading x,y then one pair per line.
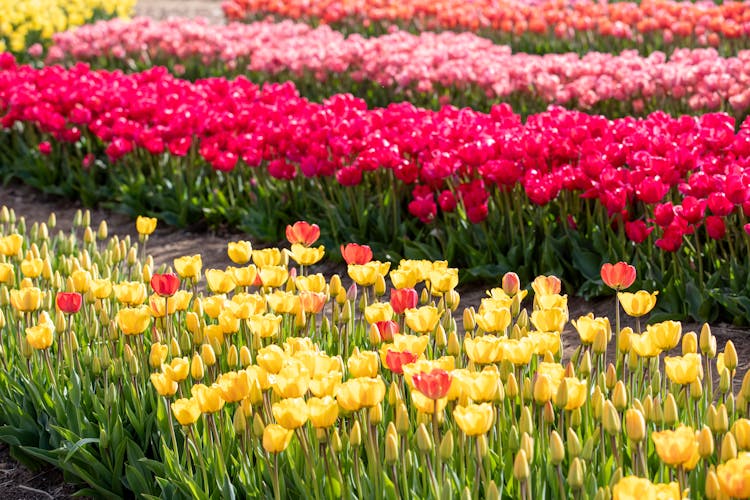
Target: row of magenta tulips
x,y
536,26
669,194
279,382
427,69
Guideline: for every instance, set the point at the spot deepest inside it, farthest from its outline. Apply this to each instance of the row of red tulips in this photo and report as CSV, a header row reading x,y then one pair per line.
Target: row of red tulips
x,y
427,68
681,184
530,26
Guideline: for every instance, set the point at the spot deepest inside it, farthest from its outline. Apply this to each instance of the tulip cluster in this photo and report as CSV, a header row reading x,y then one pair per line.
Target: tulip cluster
x,y
279,381
460,68
26,23
672,191
544,25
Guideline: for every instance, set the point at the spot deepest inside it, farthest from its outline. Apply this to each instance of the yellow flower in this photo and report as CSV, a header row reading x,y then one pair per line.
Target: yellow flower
x,y
292,381
367,274
27,299
6,272
545,342
209,398
271,358
244,276
213,305
518,352
264,326
549,320
403,278
312,302
551,301
276,438
189,267
484,350
643,345
31,267
306,256
554,371
267,257
133,320
482,386
683,369
234,386
741,432
361,392
158,354
323,412
158,306
379,311
220,281
284,302
101,288
240,251
186,411
474,419
273,276
40,336
145,225
363,364
675,447
588,327
443,280
493,320
426,405
130,293
637,488
249,304
546,285
11,245
422,319
325,384
577,392
665,335
311,283
637,304
178,369
412,343
734,477
164,385
290,413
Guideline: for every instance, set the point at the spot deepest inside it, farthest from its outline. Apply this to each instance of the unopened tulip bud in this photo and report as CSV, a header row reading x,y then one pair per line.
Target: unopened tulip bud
x,y
610,418
526,422
620,396
96,367
468,319
208,354
713,488
557,448
197,368
446,446
527,444
728,447
336,444
239,422
585,367
511,387
146,273
730,403
424,297
233,357
721,421
689,343
88,235
610,378
424,441
441,340
656,381
394,394
705,442
453,348
245,356
548,413
696,389
376,414
725,381
576,418
391,449
603,493
671,413
466,494
134,366
511,283
632,360
527,392
730,356
258,426
346,312
648,408
600,342
379,285
635,425
521,470
355,435
575,474
482,445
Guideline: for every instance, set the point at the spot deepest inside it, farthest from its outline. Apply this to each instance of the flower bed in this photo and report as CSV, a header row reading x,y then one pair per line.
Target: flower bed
x,y
547,26
426,69
670,194
276,381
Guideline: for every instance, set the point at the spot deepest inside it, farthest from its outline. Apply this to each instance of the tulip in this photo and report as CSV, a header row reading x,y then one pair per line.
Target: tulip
x,y
165,285
189,267
618,276
6,273
443,280
240,251
311,283
31,267
133,320
577,393
177,369
360,393
273,276
377,312
69,302
264,326
11,245
685,369
40,336
356,254
395,360
306,256
130,293
733,477
635,488
276,438
588,327
290,413
145,225
546,285
675,447
493,320
549,320
323,412
244,276
302,233
220,281
637,304
27,299
363,364
434,385
209,399
474,420
267,257
423,319
484,350
164,385
186,411
665,335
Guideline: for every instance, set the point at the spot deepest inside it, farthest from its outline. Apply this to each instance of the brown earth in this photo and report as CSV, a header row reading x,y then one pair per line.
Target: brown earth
x,y
19,482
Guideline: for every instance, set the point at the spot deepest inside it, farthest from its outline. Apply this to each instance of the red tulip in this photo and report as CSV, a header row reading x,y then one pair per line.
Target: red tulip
x,y
302,232
69,302
403,299
434,385
511,283
386,330
618,276
165,284
396,360
356,254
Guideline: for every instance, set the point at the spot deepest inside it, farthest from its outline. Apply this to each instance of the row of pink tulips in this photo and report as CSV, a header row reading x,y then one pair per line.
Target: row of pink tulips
x,y
680,169
695,80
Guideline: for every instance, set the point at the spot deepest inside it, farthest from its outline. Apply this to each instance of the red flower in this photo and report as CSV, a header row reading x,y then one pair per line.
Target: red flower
x,y
165,284
302,232
356,254
715,227
386,329
69,302
637,231
403,299
45,148
434,385
395,360
618,276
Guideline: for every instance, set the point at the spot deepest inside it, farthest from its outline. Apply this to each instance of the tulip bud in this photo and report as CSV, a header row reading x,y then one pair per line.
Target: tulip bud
x,y
656,381
730,403
610,418
239,422
511,387
233,357
585,366
635,425
526,422
725,381
394,394
721,422
376,414
88,235
600,342
491,493
379,285
245,356
575,474
713,489
258,426
527,393
573,443
696,389
620,396
208,354
355,434
441,339
689,343
705,340
523,320
624,342
728,447
603,493
521,470
446,446
527,444
197,369
557,448
730,356
482,446
424,441
705,442
671,413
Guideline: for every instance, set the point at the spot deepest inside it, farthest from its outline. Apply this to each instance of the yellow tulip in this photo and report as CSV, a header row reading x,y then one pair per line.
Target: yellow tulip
x,y
6,272
741,432
367,274
265,326
325,384
577,392
637,488
220,281
675,447
549,320
259,375
363,364
379,311
189,267
209,398
284,302
484,350
518,352
402,278
213,305
40,336
244,276
546,285
267,257
130,293
276,438
551,301
644,345
164,385
306,256
545,342
11,245
413,343
637,304
683,369
251,303
554,371
186,411
359,393
133,320
145,225
311,283
734,477
161,306
27,299
323,412
443,280
101,288
177,369
474,420
665,335
588,327
240,251
273,276
234,386
292,381
422,319
426,405
158,354
31,267
493,320
290,413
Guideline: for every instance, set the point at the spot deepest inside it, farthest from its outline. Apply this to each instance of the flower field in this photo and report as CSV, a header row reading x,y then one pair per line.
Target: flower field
x,y
538,148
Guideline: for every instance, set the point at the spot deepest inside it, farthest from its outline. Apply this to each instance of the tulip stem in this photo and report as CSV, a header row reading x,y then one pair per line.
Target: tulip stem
x,y
275,477
171,427
191,439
